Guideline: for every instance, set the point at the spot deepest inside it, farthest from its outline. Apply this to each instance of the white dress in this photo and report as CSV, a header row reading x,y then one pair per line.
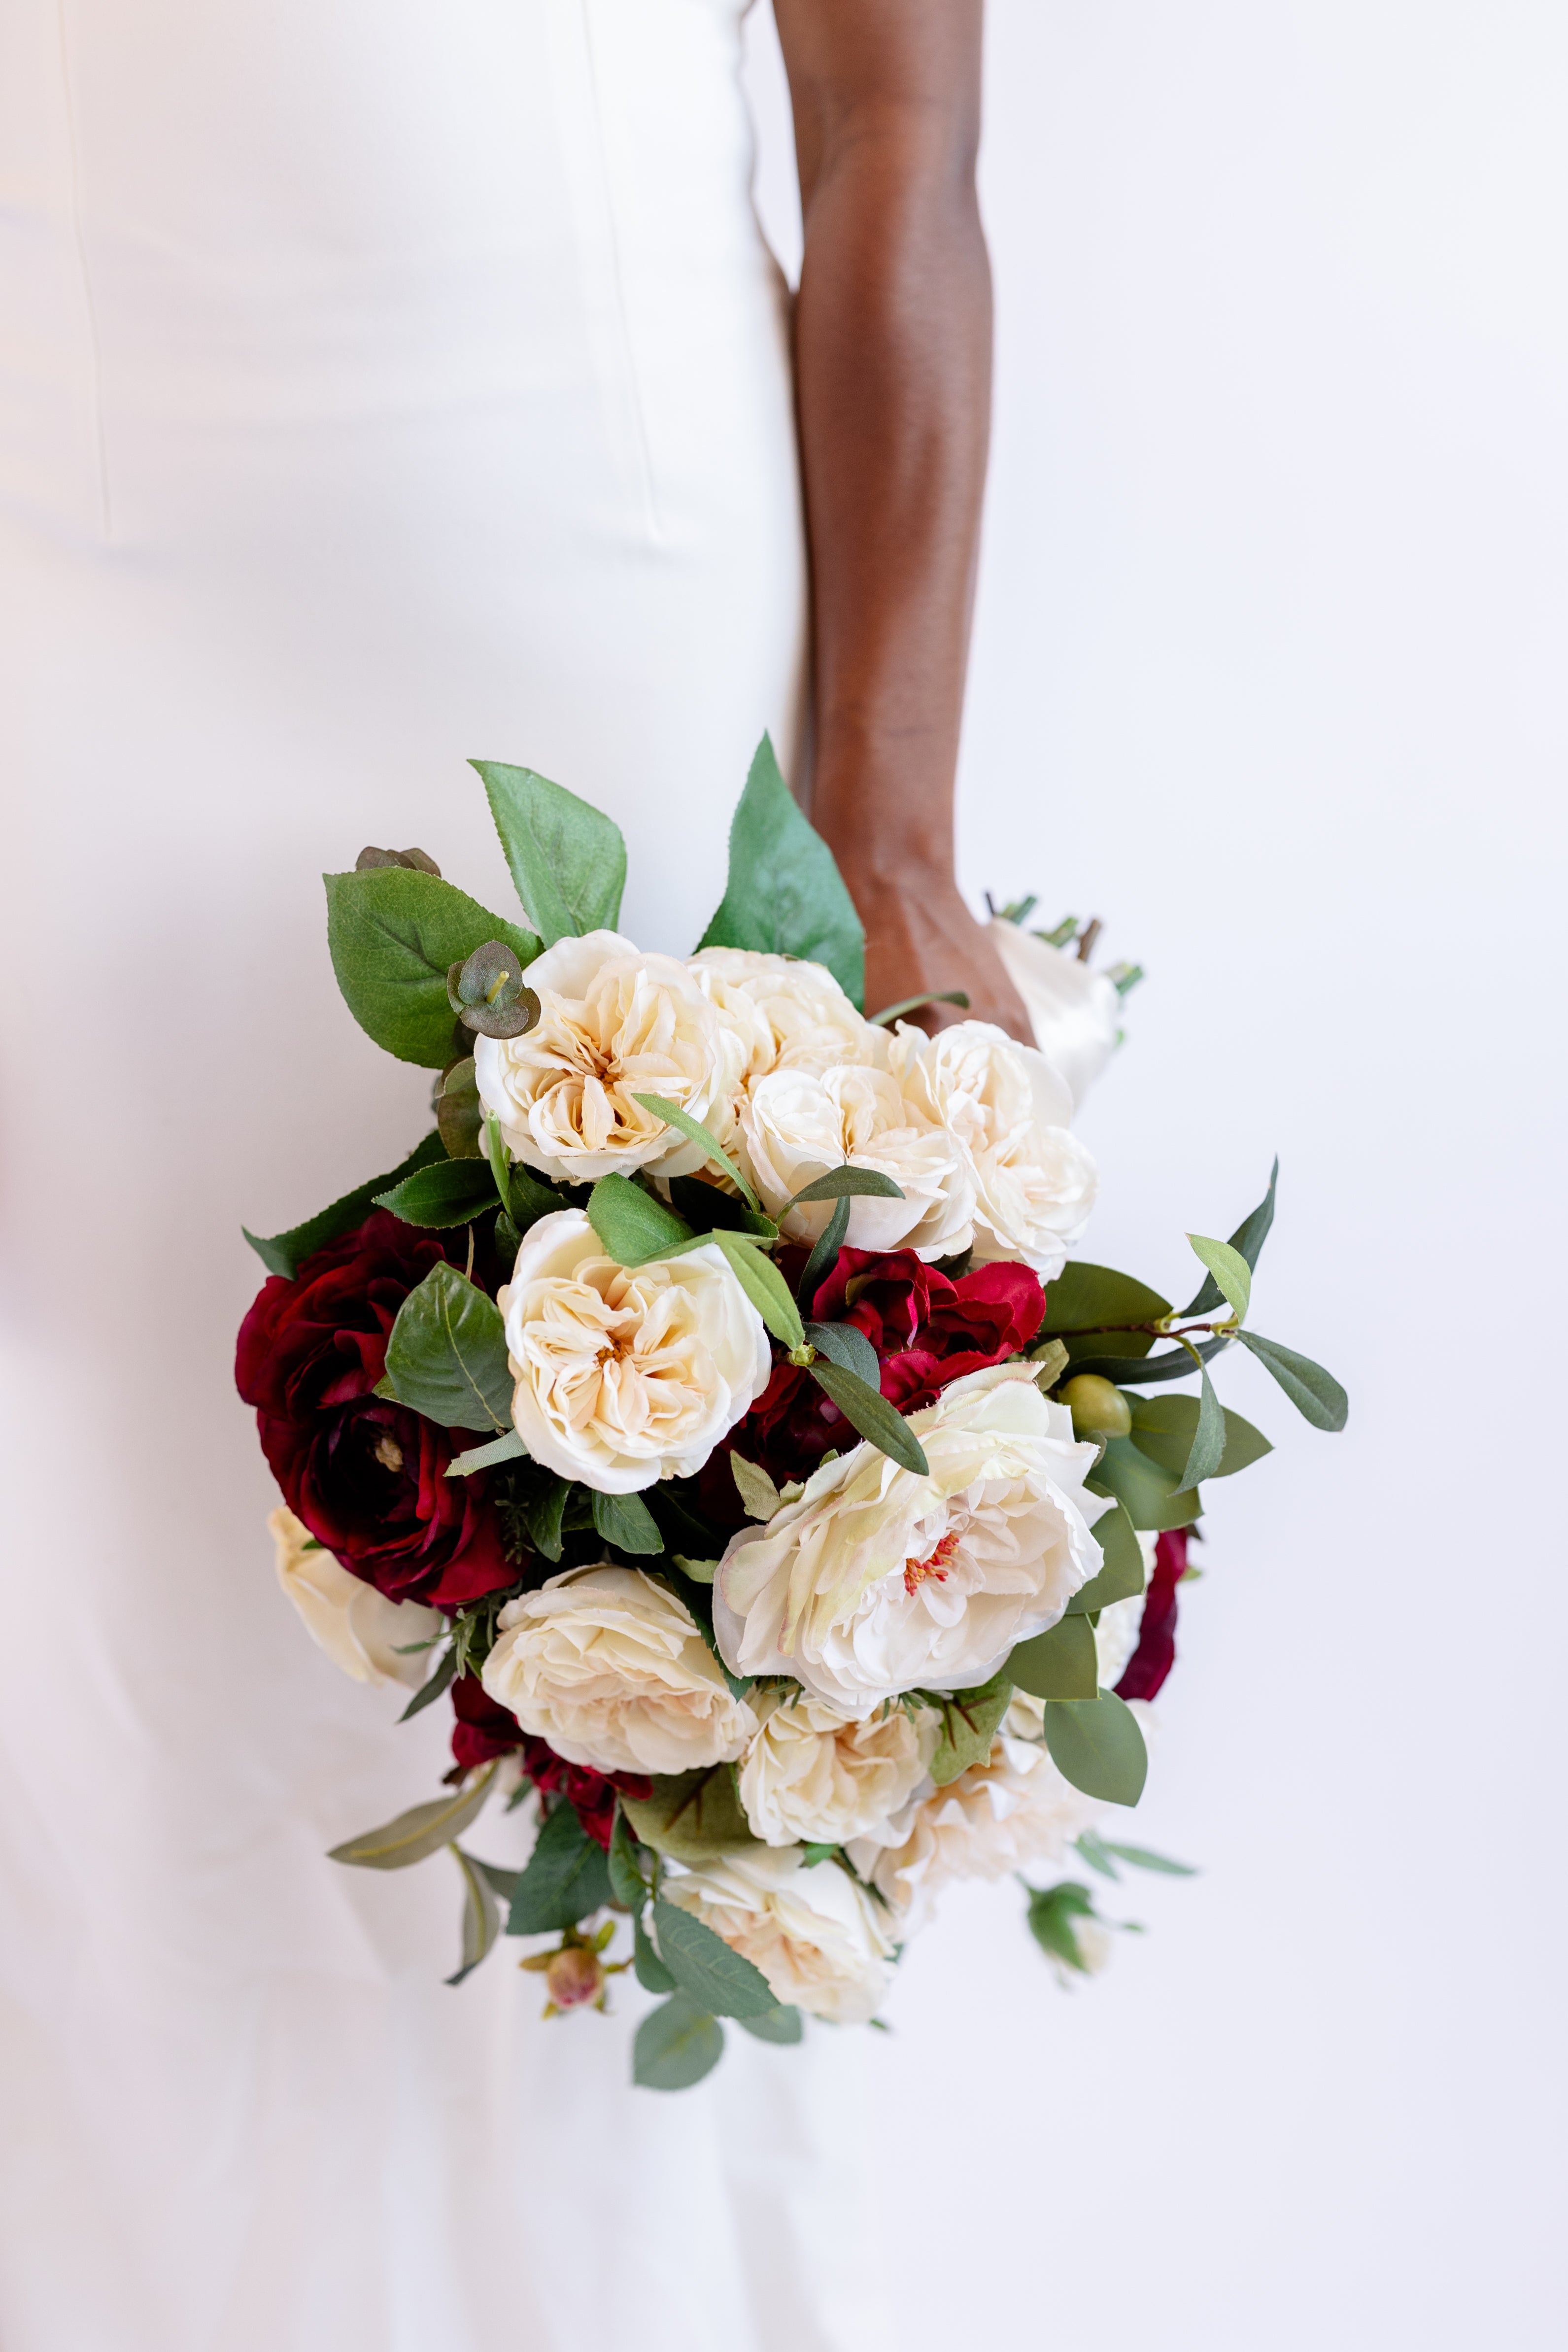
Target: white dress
x,y
380,384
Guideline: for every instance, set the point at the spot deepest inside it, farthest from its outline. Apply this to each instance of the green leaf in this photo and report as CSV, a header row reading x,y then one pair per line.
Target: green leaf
x,y
1122,1574
824,1257
627,1884
766,1286
706,1142
1097,1853
459,1114
566,1876
626,1521
676,2045
721,1981
1229,1269
845,1184
393,934
531,1197
1153,1497
1094,1299
285,1253
507,1448
633,1225
760,1497
451,1193
500,1882
1316,1395
446,1355
969,1721
784,893
544,1514
1164,1427
781,2024
821,1850
891,1012
481,1915
1061,1663
1141,1859
422,1831
843,1343
1148,1371
567,860
1247,1239
691,1816
1207,1451
651,1972
1053,1911
868,1410
706,1209
430,1689
1096,1743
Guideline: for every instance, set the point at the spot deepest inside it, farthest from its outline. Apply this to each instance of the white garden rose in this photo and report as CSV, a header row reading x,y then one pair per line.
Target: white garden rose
x,y
610,1668
613,1024
813,1776
821,1941
623,1375
875,1580
795,1127
804,1020
1034,1182
360,1630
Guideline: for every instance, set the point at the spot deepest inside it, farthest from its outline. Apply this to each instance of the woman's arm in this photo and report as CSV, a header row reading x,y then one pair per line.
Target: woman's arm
x,y
893,385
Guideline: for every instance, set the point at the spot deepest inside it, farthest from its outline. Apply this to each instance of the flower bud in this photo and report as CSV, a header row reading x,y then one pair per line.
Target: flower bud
x,y
575,1976
1097,1407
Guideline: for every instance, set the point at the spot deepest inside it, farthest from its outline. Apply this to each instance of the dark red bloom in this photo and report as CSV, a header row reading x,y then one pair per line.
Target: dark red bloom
x,y
364,1475
1156,1653
927,1332
484,1730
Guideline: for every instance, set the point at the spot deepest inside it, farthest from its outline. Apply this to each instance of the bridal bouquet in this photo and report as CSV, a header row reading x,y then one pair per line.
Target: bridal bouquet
x,y
710,1411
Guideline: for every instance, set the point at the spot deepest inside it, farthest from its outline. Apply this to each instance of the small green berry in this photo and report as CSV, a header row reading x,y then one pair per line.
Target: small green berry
x,y
1097,1407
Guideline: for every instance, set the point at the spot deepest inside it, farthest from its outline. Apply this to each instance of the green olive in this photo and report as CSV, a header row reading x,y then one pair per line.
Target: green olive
x,y
1097,1407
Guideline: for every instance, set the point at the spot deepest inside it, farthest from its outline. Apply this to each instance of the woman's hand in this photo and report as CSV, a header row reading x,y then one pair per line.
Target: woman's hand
x,y
921,938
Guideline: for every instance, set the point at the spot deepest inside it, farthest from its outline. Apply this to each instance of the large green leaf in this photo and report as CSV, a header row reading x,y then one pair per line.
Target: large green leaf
x,y
1247,1239
626,1521
633,1225
567,860
446,1356
566,1877
691,1816
721,1981
1061,1663
1164,1427
782,2024
1093,1300
868,1410
1096,1743
676,2045
1152,1496
651,1972
285,1253
393,933
1316,1395
1122,1573
423,1831
785,895
969,1721
481,1914
448,1193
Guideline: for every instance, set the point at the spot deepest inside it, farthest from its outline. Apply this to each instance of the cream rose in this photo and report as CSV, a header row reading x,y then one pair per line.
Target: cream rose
x,y
613,1024
875,1580
360,1631
623,1376
612,1670
821,1941
795,1127
812,1775
1034,1182
803,1019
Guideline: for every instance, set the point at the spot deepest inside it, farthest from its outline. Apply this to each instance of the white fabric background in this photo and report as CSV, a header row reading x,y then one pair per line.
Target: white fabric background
x,y
1271,603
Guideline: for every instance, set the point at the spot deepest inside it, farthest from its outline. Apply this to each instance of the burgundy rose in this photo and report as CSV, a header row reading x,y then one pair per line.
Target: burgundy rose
x,y
364,1475
484,1729
1156,1653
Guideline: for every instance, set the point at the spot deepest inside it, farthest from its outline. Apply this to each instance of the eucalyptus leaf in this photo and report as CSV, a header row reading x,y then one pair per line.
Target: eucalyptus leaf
x,y
720,1980
422,1831
825,1256
1208,1450
626,1521
843,1343
481,1915
969,1721
766,1286
869,1411
507,1448
843,1185
1164,1427
706,1142
431,1688
393,933
448,1193
692,1817
633,1225
1121,1575
1062,1662
446,1355
785,895
285,1253
651,1972
568,860
1229,1269
782,2024
1316,1395
1247,1239
1153,1497
676,2045
1097,1744
565,1877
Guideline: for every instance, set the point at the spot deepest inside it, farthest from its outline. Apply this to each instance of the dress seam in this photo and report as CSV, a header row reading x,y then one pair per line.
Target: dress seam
x,y
623,314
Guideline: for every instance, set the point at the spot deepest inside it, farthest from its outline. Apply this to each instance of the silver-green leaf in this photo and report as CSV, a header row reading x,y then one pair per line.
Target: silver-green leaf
x,y
423,1831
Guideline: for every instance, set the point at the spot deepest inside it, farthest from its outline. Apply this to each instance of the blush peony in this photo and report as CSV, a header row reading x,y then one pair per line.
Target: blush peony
x,y
821,1941
611,1669
877,1581
813,1776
